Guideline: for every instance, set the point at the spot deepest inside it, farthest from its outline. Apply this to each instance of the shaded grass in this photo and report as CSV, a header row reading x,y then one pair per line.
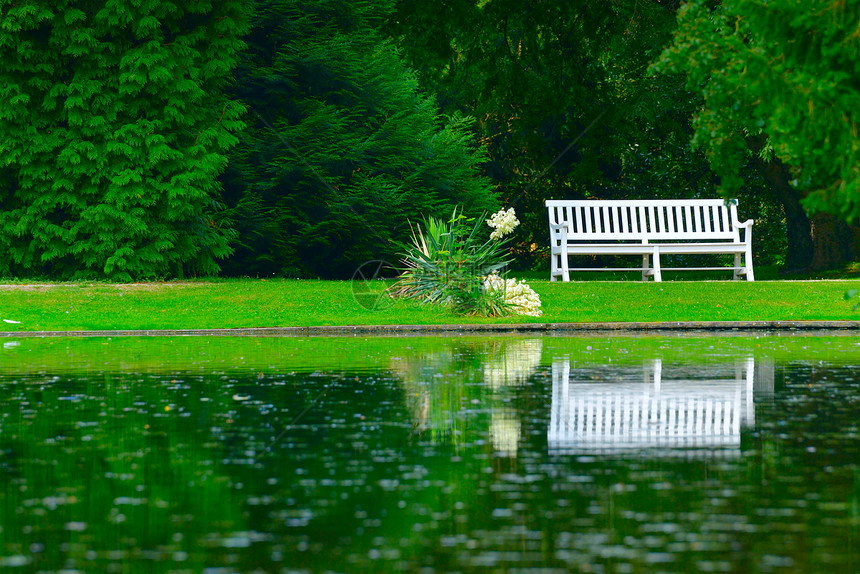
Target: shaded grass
x,y
245,303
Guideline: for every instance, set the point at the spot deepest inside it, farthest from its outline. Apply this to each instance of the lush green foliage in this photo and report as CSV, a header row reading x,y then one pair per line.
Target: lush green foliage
x,y
342,150
113,127
785,70
446,264
568,108
562,99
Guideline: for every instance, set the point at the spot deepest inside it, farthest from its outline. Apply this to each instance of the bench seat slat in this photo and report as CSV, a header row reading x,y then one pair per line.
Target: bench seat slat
x,y
648,248
689,268
610,248
637,270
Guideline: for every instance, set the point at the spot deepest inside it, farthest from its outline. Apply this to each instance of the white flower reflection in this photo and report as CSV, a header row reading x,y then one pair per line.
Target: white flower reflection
x,y
505,431
461,395
514,364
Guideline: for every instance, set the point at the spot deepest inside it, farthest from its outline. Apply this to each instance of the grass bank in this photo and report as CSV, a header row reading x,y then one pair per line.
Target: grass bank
x,y
246,303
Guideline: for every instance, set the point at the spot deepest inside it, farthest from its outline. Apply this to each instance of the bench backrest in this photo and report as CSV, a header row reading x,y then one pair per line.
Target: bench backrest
x,y
663,219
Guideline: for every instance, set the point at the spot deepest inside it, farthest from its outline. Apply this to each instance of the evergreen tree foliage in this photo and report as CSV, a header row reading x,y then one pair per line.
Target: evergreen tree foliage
x,y
342,150
113,128
779,80
562,97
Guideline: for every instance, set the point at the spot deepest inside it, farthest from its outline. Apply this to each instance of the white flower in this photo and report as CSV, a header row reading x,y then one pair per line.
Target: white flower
x,y
522,298
503,222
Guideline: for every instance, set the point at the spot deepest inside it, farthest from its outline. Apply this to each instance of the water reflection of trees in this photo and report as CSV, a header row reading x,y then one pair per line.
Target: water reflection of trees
x,y
347,484
457,394
113,469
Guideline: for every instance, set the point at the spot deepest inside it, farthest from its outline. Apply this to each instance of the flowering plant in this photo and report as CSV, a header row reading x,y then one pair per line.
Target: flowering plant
x,y
503,223
517,295
448,264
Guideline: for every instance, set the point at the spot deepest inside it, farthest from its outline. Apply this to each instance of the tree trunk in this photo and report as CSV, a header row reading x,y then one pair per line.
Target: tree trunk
x,y
798,228
835,242
825,242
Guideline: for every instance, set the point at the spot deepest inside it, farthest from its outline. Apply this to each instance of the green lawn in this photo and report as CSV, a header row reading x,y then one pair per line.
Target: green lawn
x,y
246,303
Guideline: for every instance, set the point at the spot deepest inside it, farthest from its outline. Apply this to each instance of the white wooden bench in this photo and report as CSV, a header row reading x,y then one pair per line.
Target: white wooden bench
x,y
649,228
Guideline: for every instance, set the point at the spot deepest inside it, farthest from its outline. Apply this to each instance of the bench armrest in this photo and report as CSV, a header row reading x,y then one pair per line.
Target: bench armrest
x,y
558,234
747,227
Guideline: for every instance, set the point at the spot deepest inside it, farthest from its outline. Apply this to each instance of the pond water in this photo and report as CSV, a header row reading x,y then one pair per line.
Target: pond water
x,y
431,454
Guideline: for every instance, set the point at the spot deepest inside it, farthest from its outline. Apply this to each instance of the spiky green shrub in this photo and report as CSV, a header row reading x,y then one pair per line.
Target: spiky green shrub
x,y
447,262
113,128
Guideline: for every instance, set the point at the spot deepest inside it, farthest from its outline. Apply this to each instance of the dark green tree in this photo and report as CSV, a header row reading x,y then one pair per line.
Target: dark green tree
x,y
343,151
568,106
113,128
778,82
562,98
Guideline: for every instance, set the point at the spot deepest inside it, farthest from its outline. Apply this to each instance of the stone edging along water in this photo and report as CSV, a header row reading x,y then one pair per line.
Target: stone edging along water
x,y
549,328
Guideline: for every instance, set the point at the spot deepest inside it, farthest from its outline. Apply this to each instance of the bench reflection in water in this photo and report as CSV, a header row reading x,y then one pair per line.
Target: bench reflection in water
x,y
689,409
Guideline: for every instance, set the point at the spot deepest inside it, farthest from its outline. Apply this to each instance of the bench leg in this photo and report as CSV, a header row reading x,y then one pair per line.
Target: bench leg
x,y
658,276
565,272
749,264
652,270
747,269
559,267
